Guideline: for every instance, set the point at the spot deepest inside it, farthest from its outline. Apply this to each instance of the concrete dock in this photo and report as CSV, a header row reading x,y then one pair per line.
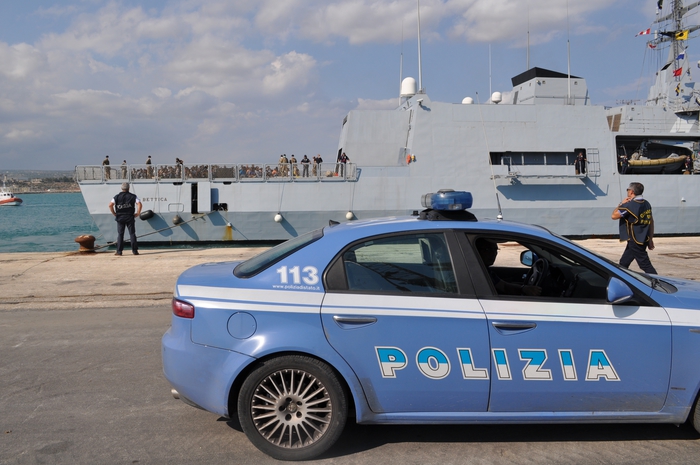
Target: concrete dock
x,y
74,280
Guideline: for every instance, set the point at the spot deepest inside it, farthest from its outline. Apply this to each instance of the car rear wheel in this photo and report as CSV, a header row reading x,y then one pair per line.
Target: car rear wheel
x,y
292,407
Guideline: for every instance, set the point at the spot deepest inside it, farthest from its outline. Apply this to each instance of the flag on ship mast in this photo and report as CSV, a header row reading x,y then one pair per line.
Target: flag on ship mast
x,y
681,56
678,72
682,35
643,33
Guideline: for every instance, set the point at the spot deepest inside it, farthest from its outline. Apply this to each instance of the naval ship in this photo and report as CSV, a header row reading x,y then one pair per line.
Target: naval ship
x,y
540,153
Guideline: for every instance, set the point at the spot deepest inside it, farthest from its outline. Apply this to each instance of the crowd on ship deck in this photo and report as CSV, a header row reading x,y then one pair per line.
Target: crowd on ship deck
x,y
285,168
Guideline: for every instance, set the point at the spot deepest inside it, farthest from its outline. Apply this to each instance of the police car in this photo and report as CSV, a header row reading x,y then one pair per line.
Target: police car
x,y
434,318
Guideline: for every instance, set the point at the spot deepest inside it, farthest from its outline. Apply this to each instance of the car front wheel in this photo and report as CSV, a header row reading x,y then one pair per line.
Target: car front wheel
x,y
292,407
695,415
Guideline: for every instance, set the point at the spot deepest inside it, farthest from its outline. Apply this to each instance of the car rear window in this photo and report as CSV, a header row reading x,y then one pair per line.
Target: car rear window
x,y
268,258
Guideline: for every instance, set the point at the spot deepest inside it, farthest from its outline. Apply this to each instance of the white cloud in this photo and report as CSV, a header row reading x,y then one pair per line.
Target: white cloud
x,y
100,67
287,72
162,92
499,20
20,134
20,60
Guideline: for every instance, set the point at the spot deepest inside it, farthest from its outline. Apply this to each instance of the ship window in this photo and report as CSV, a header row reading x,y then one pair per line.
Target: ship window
x,y
557,158
533,159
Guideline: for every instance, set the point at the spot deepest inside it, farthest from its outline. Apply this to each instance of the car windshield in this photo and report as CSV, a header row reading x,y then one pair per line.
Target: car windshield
x,y
647,281
268,258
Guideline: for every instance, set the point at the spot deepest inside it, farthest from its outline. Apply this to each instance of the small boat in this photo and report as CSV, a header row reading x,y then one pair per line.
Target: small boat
x,y
657,165
7,197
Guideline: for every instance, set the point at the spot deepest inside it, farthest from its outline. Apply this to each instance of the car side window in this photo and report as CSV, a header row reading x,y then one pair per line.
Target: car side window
x,y
519,266
417,262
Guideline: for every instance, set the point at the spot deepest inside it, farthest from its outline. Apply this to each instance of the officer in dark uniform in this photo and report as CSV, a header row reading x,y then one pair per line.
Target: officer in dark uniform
x,y
624,163
125,207
580,163
636,227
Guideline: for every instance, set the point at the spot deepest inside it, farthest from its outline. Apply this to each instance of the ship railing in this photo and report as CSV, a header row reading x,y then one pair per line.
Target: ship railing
x,y
280,172
169,173
334,172
535,171
117,174
247,172
251,172
305,172
196,172
224,173
102,173
142,173
86,174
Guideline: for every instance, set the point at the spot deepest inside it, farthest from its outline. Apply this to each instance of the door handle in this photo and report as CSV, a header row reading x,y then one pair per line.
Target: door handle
x,y
512,327
354,320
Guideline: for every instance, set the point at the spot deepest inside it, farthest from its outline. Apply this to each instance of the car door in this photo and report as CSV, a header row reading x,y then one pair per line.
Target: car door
x,y
401,311
568,349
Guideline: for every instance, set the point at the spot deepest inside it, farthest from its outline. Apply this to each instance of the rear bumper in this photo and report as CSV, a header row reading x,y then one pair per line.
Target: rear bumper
x,y
203,375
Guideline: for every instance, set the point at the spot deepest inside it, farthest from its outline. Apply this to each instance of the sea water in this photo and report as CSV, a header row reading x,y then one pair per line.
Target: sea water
x,y
45,223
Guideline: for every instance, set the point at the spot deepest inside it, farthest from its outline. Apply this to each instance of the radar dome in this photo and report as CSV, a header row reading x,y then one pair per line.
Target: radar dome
x,y
496,97
467,101
408,87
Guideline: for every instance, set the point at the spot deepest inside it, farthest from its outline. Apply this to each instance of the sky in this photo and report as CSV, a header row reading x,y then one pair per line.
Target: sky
x,y
236,81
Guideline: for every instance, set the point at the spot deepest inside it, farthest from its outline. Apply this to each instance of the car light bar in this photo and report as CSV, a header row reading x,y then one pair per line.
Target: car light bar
x,y
447,199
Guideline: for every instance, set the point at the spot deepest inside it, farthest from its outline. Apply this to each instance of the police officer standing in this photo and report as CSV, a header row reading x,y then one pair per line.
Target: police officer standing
x,y
125,207
636,227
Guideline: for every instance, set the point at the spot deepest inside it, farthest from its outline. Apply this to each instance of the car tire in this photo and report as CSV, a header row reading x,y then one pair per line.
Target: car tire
x,y
292,407
695,415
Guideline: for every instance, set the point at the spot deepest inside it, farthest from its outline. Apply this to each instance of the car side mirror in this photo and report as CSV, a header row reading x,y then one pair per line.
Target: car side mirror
x,y
619,292
528,257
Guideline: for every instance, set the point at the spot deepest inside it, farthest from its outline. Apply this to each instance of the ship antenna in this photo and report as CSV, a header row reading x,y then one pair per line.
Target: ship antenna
x,y
420,66
528,37
568,56
488,151
490,92
401,64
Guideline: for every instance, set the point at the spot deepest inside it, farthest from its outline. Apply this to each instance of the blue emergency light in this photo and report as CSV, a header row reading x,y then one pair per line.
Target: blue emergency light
x,y
447,200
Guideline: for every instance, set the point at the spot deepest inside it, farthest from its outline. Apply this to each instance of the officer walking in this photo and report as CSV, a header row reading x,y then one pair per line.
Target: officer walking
x,y
125,207
636,227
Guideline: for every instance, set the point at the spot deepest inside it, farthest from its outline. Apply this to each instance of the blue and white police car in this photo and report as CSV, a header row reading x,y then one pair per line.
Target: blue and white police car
x,y
433,318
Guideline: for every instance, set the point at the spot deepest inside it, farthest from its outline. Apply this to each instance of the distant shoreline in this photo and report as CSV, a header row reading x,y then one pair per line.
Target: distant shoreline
x,y
50,192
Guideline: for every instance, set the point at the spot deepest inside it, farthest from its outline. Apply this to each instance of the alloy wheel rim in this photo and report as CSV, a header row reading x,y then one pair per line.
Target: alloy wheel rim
x,y
291,409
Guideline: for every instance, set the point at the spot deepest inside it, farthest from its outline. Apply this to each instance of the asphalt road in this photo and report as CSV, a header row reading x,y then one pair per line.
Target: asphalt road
x,y
85,386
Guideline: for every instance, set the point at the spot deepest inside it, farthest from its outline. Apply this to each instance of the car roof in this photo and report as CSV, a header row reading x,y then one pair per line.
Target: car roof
x,y
363,228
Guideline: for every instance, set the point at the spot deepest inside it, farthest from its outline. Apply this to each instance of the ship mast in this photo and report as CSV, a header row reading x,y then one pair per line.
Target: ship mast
x,y
674,87
420,67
